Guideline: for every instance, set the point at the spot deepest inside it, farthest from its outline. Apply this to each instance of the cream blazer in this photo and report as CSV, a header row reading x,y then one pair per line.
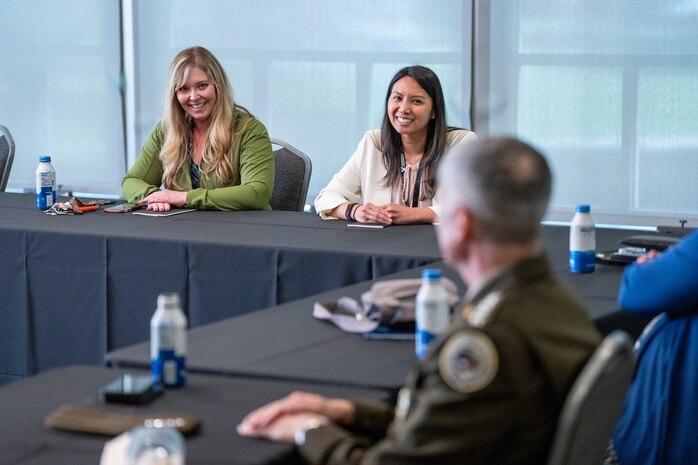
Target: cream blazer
x,y
361,178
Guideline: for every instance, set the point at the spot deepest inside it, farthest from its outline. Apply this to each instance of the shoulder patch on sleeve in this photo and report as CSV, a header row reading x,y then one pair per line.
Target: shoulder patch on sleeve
x,y
468,361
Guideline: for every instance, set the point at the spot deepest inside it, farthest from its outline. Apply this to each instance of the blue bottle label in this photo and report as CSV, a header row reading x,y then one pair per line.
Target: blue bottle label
x,y
423,338
582,262
45,198
169,369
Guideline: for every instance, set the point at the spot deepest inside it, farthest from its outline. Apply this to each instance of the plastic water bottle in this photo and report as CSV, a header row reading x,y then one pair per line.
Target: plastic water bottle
x,y
582,241
155,446
45,183
433,312
168,341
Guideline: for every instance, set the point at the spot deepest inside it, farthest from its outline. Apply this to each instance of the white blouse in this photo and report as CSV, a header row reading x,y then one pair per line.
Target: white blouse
x,y
361,179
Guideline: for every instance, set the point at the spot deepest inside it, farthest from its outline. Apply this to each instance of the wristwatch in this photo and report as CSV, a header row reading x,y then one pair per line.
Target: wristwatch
x,y
299,437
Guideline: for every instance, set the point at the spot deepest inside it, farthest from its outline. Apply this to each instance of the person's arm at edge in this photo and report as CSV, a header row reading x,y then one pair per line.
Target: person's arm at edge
x,y
667,283
256,177
145,176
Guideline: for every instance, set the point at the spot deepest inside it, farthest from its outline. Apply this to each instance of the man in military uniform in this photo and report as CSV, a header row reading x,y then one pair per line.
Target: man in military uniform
x,y
490,390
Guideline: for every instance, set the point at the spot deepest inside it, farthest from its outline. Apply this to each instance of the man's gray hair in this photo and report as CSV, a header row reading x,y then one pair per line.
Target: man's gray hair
x,y
503,182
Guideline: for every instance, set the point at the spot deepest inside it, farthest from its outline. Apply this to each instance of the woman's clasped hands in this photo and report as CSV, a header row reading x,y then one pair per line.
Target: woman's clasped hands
x,y
392,213
164,200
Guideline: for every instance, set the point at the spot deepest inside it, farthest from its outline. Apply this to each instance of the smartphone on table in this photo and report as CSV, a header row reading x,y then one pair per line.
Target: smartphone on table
x,y
131,389
124,208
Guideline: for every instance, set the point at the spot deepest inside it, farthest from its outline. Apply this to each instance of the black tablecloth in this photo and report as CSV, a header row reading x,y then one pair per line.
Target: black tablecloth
x,y
220,404
74,287
286,342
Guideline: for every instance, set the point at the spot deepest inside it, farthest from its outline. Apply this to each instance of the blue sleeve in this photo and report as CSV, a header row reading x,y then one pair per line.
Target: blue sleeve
x,y
669,283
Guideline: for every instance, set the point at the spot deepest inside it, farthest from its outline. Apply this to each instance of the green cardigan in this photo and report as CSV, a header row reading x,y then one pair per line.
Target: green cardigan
x,y
253,167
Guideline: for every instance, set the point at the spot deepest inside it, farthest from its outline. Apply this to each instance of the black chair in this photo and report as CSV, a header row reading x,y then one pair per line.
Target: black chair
x,y
293,169
7,155
594,403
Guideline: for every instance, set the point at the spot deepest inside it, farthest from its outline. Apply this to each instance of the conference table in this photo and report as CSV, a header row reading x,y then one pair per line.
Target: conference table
x,y
219,403
71,277
285,342
74,287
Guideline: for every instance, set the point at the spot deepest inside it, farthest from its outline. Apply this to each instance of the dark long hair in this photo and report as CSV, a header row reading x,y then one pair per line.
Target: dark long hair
x,y
391,144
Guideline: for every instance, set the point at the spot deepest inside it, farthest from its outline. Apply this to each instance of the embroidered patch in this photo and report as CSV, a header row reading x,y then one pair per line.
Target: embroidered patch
x,y
484,310
468,361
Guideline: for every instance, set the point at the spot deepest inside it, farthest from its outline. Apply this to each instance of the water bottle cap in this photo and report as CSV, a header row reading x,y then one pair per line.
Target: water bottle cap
x,y
155,444
583,208
45,159
168,299
431,273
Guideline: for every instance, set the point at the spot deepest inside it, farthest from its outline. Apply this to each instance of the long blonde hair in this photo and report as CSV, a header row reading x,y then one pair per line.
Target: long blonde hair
x,y
178,127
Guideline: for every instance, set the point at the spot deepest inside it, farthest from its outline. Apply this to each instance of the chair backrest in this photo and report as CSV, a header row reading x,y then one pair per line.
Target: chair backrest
x,y
594,403
7,155
293,170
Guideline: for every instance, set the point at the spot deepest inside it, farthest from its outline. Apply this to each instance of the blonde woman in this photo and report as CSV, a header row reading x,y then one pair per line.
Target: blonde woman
x,y
207,152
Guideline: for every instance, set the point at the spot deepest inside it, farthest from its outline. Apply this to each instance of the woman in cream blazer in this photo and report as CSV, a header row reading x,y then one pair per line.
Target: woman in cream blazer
x,y
390,178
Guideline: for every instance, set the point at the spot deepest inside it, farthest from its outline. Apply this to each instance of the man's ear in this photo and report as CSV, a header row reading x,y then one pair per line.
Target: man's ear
x,y
462,233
